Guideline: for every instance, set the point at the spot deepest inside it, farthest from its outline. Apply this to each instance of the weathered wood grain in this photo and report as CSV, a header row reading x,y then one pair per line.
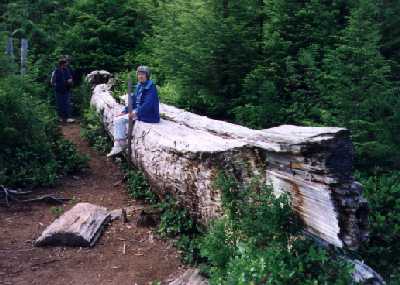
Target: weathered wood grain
x,y
184,152
80,226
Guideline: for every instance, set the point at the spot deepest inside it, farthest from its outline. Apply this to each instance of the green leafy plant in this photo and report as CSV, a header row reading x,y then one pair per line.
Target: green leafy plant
x,y
382,251
169,94
94,132
32,150
81,98
175,220
57,211
259,241
68,159
139,188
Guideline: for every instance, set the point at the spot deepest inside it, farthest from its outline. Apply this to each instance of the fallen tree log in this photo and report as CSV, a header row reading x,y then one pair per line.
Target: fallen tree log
x,y
184,152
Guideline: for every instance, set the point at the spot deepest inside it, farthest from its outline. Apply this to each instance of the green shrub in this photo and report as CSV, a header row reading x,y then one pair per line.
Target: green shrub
x,y
68,159
382,252
259,241
32,151
169,94
80,98
175,220
120,86
138,187
56,211
189,245
94,132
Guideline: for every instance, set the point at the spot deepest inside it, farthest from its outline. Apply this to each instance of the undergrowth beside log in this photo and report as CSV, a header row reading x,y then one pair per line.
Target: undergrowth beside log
x,y
258,239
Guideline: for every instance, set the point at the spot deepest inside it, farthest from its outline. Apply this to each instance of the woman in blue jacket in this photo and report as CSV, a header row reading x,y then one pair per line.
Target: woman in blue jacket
x,y
145,108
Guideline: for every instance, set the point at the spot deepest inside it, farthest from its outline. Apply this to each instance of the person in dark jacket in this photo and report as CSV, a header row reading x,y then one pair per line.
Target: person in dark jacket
x,y
62,80
145,108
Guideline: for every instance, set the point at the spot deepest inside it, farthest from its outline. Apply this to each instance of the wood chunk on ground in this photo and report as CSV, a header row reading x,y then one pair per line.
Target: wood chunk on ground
x,y
80,226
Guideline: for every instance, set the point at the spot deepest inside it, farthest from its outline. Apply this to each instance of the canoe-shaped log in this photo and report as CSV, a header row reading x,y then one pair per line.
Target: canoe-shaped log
x,y
184,152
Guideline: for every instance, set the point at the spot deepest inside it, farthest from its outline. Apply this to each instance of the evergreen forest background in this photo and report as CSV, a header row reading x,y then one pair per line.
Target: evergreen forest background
x,y
258,63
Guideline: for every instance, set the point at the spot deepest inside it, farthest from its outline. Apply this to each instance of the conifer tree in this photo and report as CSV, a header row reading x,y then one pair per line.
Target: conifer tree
x,y
283,87
359,91
205,47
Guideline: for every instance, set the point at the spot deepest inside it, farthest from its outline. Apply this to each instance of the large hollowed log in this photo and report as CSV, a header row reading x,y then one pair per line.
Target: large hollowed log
x,y
184,152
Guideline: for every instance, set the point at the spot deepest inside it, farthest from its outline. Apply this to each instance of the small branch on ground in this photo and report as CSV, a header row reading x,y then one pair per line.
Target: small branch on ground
x,y
13,195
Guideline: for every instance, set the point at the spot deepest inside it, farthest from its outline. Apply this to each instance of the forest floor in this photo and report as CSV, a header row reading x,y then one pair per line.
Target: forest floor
x,y
146,259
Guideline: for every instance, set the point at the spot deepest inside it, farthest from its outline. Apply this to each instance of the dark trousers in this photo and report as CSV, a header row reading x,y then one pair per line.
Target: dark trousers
x,y
63,102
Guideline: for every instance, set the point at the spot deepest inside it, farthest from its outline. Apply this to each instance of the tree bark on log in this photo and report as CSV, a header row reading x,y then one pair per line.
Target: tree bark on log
x,y
184,152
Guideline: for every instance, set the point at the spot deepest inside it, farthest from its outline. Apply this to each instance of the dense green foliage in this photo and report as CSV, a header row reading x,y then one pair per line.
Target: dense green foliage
x,y
103,34
138,186
32,150
258,63
259,241
263,63
94,132
383,249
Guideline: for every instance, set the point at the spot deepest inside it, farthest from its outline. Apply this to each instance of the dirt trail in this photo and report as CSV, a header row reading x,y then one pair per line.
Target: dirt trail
x,y
146,259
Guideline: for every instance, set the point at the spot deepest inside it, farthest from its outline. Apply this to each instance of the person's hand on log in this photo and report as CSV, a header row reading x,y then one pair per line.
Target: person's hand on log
x,y
133,115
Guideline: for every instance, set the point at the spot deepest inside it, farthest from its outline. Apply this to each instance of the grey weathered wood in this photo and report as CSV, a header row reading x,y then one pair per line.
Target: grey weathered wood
x,y
80,226
363,274
98,77
190,277
131,122
183,154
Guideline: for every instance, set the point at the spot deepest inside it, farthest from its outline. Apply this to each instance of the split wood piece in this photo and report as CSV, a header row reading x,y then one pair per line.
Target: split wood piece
x,y
80,226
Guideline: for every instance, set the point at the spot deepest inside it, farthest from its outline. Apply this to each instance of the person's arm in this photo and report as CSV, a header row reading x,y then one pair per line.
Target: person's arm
x,y
149,101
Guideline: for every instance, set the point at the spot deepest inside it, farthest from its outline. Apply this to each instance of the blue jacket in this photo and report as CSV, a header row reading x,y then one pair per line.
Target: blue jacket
x,y
145,102
61,77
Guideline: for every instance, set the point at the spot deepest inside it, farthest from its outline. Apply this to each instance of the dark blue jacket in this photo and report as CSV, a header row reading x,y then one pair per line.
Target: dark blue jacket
x,y
61,77
145,102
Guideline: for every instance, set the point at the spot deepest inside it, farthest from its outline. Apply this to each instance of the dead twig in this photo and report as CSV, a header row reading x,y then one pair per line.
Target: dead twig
x,y
44,262
10,194
47,199
14,195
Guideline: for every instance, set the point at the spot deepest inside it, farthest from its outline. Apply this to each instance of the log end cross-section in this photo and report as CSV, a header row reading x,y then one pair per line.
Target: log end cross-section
x,y
314,165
